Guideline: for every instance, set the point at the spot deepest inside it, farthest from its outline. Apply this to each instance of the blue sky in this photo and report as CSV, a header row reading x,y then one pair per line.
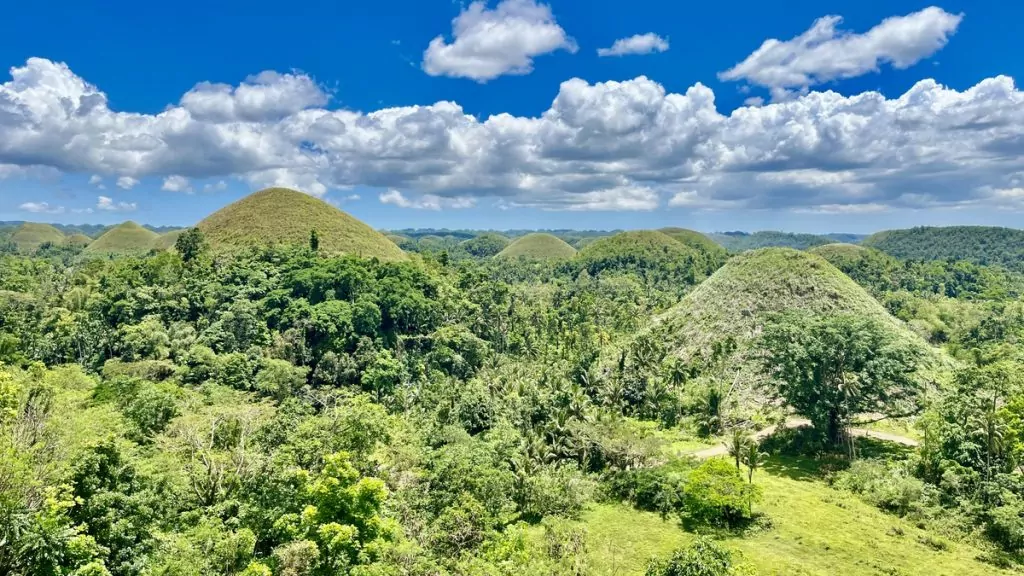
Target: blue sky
x,y
519,114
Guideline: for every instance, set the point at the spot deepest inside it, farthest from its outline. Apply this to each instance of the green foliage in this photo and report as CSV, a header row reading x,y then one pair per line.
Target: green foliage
x,y
190,244
829,369
715,494
977,244
742,241
703,557
485,245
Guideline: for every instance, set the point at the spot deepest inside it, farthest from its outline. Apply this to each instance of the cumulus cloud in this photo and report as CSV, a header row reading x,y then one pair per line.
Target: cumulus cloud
x,y
95,180
218,186
108,204
424,202
127,182
41,208
176,183
265,96
491,43
824,53
637,44
629,145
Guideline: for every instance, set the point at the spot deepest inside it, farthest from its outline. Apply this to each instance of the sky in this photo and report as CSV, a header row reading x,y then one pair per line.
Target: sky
x,y
806,116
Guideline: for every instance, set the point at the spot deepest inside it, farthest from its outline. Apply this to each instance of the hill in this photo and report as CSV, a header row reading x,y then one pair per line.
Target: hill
x,y
30,236
636,250
485,245
714,254
734,303
538,246
743,241
127,238
168,240
978,244
284,216
77,240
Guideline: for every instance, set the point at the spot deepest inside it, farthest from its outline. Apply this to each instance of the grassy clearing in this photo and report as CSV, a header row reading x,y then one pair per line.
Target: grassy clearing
x,y
283,216
538,246
818,531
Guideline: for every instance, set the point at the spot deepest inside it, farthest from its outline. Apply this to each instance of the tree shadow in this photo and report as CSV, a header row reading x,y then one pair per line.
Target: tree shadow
x,y
794,467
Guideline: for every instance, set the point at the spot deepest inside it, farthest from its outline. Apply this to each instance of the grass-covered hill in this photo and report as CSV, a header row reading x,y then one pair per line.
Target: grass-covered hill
x,y
485,245
743,241
127,238
284,216
978,244
80,240
167,240
714,254
30,236
538,246
638,250
734,304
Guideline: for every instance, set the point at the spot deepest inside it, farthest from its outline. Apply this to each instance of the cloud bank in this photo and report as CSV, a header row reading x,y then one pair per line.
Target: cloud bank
x,y
628,145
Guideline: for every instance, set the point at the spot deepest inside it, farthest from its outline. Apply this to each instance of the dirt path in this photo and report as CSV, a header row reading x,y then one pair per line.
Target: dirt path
x,y
723,450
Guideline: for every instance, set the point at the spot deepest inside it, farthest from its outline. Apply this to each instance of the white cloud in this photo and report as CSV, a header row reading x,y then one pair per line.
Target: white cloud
x,y
95,180
127,182
824,53
176,183
491,43
637,44
41,208
108,205
265,96
215,186
425,201
607,146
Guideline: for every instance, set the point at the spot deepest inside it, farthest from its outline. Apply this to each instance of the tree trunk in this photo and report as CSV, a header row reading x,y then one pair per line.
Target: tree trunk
x,y
834,427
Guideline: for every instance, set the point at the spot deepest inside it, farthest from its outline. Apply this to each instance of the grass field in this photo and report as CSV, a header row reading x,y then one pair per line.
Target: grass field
x,y
817,531
127,238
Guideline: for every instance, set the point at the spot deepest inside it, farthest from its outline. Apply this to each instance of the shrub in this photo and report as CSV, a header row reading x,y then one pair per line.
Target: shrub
x,y
703,557
652,489
1005,526
556,490
715,494
890,487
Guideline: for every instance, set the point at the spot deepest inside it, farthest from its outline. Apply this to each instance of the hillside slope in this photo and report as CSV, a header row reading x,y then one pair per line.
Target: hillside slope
x,y
284,216
30,236
127,238
538,246
742,241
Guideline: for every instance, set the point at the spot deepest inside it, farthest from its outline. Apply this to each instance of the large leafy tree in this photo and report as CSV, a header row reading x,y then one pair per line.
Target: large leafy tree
x,y
834,367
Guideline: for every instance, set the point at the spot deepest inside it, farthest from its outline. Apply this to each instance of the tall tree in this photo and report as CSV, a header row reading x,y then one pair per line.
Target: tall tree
x,y
831,368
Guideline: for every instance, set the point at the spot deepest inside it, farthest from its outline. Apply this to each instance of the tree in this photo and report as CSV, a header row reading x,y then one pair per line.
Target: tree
x,y
703,557
834,367
314,240
191,244
738,444
753,458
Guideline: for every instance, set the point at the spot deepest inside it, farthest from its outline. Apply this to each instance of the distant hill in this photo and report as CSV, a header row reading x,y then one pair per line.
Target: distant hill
x,y
638,250
743,241
123,239
284,216
714,254
485,245
167,240
80,240
978,244
30,236
538,246
735,302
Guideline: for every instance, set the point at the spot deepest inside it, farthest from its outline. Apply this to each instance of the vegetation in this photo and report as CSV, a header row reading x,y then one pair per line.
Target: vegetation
x,y
743,241
283,409
538,246
286,217
77,240
127,238
977,244
167,240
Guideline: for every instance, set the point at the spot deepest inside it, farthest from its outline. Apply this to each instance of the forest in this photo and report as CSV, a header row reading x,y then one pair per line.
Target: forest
x,y
341,401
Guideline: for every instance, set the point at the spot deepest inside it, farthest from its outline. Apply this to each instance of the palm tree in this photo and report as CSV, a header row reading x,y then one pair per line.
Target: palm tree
x,y
737,444
754,458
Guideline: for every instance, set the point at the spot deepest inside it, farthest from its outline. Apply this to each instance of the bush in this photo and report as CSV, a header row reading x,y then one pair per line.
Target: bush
x,y
703,557
1005,526
715,494
890,487
652,489
556,490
